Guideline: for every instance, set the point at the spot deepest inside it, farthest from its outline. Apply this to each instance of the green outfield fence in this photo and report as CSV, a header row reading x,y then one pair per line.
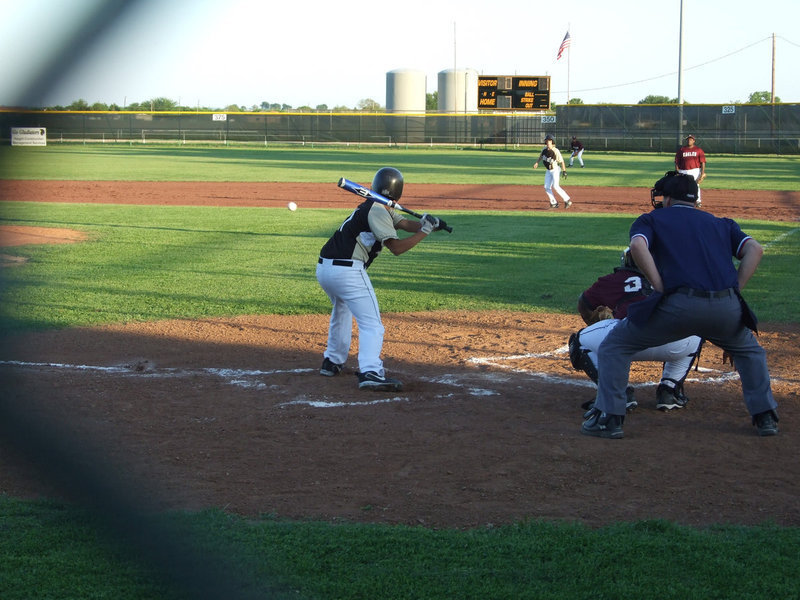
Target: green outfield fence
x,y
719,129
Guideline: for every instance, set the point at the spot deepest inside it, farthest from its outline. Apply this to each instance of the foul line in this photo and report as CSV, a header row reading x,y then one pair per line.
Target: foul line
x,y
781,237
143,370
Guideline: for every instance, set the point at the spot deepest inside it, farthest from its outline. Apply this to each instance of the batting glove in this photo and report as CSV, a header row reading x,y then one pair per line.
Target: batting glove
x,y
428,223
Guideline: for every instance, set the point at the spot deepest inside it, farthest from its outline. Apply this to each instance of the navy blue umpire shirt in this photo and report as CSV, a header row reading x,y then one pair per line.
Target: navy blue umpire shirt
x,y
692,248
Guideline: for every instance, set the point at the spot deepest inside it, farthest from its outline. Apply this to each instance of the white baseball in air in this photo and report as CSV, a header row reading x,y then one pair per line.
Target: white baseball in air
x,y
291,206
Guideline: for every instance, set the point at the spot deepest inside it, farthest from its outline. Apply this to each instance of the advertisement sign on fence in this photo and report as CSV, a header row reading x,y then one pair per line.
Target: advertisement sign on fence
x,y
28,136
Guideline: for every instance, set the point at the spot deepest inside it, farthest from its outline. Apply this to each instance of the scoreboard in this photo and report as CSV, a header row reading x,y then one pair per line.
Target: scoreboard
x,y
517,92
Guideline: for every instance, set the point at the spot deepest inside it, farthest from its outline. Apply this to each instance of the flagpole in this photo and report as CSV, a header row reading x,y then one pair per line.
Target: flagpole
x,y
569,52
568,57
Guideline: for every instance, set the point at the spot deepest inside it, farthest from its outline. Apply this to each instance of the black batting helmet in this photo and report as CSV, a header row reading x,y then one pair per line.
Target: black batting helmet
x,y
388,182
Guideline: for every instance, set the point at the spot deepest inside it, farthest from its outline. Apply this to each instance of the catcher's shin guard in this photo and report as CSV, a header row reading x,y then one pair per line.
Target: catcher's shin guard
x,y
579,357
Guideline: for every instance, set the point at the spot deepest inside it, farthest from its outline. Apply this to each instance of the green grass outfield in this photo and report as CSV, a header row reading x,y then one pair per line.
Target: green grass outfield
x,y
159,162
148,263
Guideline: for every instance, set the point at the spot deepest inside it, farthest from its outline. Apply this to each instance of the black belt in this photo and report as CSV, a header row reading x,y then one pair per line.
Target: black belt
x,y
337,262
705,293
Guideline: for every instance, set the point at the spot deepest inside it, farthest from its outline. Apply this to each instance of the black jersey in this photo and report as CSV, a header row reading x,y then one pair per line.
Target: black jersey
x,y
361,235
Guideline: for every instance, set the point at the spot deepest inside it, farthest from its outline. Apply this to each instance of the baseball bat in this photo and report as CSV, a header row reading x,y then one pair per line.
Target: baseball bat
x,y
364,192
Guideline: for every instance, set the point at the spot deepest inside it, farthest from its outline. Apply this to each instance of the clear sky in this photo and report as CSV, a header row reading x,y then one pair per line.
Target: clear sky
x,y
213,53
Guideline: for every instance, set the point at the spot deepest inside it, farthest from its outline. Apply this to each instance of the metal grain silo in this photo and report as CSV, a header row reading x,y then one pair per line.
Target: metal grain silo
x,y
405,91
458,91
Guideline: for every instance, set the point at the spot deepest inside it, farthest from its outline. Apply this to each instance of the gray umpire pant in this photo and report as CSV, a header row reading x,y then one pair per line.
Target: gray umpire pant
x,y
677,316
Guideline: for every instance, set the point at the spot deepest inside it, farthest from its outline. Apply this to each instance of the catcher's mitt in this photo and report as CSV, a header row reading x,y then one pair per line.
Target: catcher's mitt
x,y
600,313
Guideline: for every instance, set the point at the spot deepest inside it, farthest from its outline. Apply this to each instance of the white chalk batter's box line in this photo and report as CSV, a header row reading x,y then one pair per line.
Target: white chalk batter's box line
x,y
254,378
501,362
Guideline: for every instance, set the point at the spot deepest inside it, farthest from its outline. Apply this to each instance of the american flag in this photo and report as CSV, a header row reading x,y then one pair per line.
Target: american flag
x,y
564,45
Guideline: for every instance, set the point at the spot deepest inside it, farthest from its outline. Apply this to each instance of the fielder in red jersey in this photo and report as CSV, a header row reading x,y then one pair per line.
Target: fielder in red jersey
x,y
691,159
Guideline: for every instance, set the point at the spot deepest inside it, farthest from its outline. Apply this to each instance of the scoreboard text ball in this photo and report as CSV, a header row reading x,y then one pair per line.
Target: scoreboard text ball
x,y
517,92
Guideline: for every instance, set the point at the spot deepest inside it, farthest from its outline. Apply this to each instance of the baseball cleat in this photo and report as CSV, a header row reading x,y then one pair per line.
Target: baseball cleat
x,y
372,381
568,203
630,400
330,368
554,205
668,398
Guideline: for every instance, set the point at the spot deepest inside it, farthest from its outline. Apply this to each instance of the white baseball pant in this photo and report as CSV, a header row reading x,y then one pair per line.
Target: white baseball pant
x,y
694,173
352,295
551,179
677,356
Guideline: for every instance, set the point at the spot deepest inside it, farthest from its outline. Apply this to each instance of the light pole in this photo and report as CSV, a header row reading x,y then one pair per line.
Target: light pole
x,y
680,79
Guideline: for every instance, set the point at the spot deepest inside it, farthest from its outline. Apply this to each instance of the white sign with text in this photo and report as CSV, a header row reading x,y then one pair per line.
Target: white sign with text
x,y
28,136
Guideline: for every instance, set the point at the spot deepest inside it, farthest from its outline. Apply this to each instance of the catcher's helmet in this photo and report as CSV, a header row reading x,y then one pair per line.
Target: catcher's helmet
x,y
626,260
388,182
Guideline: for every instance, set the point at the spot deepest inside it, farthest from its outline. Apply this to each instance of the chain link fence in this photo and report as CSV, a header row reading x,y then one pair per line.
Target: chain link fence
x,y
719,129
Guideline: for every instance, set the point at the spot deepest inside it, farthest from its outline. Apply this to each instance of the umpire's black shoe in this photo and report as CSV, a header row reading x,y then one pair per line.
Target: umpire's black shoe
x,y
372,381
630,403
329,368
600,424
766,423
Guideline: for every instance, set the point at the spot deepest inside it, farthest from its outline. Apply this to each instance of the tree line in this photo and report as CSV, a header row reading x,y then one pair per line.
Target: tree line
x,y
162,104
754,98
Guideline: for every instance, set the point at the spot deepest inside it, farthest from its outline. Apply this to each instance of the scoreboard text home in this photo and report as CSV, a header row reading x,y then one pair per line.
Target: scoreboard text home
x,y
518,92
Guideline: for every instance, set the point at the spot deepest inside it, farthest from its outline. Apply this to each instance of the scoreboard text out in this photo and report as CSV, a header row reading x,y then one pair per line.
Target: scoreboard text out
x,y
513,92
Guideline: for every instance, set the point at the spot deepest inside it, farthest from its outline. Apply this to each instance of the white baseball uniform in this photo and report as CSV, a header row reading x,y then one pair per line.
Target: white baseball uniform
x,y
551,159
577,152
677,356
342,274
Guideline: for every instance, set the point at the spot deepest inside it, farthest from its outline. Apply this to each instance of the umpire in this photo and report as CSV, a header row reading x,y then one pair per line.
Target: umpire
x,y
686,253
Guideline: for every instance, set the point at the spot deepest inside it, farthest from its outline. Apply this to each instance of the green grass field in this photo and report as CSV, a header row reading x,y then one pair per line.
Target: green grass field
x,y
422,165
175,262
147,263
